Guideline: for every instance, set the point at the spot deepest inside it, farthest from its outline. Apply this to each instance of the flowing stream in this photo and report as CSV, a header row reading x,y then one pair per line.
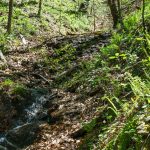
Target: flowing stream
x,y
33,110
33,113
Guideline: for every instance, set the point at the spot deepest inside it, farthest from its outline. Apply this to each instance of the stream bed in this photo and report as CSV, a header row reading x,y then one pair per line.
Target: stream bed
x,y
23,129
22,116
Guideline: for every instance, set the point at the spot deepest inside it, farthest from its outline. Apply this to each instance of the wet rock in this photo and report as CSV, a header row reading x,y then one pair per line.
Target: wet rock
x,y
22,135
41,116
38,109
3,148
48,103
54,115
7,112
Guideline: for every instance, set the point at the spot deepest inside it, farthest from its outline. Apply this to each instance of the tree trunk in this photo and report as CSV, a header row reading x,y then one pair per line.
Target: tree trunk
x,y
143,17
119,12
144,29
114,12
40,8
10,16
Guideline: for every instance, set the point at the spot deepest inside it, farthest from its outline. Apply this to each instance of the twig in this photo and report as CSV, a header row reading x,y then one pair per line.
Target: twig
x,y
38,75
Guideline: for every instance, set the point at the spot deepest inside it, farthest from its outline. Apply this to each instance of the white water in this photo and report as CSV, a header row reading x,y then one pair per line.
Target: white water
x,y
31,113
33,110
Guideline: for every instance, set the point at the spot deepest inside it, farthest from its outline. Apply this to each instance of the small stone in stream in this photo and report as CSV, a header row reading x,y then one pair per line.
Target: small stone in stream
x,y
48,103
42,116
54,115
53,119
23,135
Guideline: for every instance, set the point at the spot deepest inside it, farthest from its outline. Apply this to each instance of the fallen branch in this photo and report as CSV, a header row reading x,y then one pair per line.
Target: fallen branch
x,y
38,75
3,57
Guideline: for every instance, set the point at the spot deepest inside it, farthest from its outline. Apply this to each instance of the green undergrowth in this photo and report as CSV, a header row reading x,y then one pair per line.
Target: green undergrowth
x,y
120,72
58,17
119,75
11,88
131,128
126,53
62,59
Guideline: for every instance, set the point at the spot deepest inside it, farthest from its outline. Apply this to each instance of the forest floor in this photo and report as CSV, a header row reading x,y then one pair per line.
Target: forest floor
x,y
36,59
60,86
67,110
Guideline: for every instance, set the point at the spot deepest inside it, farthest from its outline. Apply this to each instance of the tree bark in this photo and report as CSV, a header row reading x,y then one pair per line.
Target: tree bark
x,y
143,17
10,16
40,8
114,12
119,12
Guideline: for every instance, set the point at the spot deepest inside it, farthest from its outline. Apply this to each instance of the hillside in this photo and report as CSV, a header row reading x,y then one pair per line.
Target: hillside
x,y
69,80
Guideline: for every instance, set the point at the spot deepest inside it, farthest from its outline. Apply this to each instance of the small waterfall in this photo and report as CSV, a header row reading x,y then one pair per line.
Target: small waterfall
x,y
32,113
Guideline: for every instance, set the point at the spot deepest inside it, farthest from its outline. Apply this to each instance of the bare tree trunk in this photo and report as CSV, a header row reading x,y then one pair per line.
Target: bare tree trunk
x,y
144,29
143,17
40,7
119,12
114,12
60,17
94,15
10,16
